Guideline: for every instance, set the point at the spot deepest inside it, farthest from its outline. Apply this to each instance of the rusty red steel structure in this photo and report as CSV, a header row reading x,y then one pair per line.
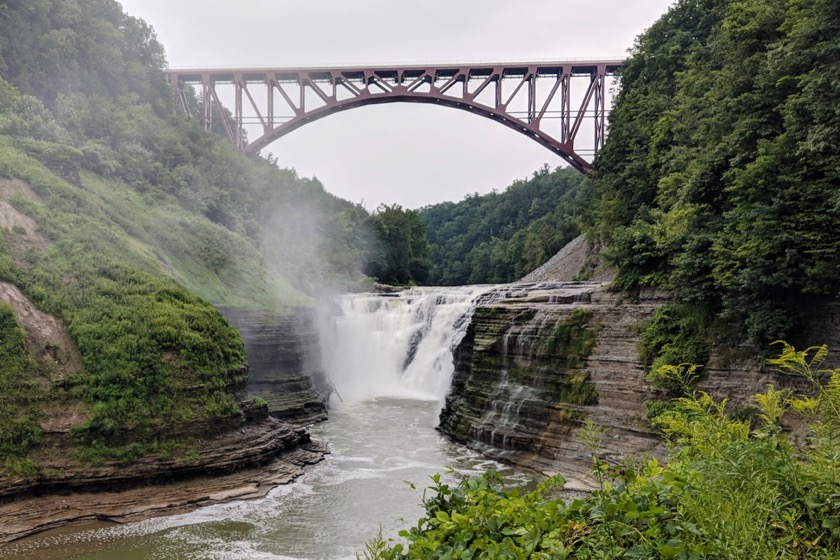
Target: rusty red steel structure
x,y
546,101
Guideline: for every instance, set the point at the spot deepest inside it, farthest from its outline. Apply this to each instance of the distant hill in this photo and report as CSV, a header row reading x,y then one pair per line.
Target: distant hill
x,y
500,237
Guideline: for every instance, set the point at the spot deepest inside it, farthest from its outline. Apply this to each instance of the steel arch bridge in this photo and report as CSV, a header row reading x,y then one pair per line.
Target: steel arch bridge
x,y
549,102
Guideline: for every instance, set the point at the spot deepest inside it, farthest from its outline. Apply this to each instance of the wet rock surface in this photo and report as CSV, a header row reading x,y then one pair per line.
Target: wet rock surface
x,y
516,397
284,362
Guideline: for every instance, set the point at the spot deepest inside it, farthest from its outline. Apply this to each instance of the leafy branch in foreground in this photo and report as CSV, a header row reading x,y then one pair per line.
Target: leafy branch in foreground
x,y
729,491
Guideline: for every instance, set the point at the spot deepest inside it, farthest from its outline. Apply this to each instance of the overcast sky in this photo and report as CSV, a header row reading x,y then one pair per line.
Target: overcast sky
x,y
410,154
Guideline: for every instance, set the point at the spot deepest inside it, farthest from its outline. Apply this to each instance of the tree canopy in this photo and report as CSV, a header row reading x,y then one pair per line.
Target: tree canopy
x,y
500,237
402,251
719,179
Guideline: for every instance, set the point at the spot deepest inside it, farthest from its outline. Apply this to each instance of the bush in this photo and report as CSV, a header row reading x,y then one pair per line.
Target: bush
x,y
676,334
20,395
726,493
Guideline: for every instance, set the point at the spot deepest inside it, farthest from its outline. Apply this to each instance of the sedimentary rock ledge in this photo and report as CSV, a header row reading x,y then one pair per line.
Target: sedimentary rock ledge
x,y
243,464
520,396
284,360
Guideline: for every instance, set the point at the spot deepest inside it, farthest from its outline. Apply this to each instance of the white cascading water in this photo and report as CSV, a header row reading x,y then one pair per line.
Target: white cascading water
x,y
395,345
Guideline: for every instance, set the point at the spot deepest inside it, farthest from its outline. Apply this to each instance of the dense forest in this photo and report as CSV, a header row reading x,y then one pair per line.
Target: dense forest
x,y
501,237
719,179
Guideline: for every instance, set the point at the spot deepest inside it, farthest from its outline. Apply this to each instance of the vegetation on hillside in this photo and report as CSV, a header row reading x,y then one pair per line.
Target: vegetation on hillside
x,y
402,251
501,237
154,355
142,220
731,490
719,179
19,429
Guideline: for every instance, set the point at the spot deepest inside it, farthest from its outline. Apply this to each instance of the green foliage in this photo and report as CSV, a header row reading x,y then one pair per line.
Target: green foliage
x,y
20,395
718,179
403,251
107,109
572,339
153,354
500,237
676,334
51,47
678,379
100,453
726,493
137,211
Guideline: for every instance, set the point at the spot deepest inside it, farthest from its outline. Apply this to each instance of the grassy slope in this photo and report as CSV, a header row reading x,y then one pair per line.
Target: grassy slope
x,y
206,258
155,356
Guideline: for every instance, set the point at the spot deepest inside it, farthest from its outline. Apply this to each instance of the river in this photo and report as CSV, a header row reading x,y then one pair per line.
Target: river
x,y
390,361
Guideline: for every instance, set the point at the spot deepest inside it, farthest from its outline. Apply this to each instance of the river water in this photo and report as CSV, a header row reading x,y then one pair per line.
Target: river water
x,y
390,361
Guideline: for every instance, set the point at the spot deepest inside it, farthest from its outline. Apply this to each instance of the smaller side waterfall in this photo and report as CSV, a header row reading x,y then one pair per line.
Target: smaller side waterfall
x,y
397,345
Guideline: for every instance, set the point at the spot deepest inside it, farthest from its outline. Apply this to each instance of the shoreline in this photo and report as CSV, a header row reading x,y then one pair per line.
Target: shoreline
x,y
29,516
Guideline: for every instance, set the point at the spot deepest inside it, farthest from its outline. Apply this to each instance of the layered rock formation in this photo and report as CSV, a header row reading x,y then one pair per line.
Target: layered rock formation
x,y
521,392
524,383
241,464
199,461
284,362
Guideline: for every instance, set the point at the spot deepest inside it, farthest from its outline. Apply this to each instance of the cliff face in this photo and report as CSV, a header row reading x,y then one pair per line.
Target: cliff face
x,y
241,454
523,387
284,362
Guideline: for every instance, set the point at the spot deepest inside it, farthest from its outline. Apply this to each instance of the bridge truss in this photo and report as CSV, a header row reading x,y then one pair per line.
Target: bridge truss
x,y
561,105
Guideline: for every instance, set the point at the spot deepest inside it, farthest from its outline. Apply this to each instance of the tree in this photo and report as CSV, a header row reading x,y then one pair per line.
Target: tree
x,y
719,177
500,237
403,251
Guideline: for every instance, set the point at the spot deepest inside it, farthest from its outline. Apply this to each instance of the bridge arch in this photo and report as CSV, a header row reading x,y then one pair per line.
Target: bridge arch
x,y
535,99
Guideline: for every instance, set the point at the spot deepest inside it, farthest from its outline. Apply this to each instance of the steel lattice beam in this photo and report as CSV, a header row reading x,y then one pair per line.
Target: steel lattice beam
x,y
548,101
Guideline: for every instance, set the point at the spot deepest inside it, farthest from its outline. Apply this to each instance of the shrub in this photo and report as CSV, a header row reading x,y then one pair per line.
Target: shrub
x,y
727,492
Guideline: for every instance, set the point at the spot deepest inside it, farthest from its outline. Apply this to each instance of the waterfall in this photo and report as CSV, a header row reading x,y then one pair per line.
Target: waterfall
x,y
396,345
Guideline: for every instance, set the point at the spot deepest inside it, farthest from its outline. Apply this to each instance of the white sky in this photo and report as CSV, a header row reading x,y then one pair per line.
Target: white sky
x,y
410,154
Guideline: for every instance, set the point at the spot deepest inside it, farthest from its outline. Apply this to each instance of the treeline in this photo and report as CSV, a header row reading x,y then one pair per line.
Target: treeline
x,y
500,237
720,176
401,254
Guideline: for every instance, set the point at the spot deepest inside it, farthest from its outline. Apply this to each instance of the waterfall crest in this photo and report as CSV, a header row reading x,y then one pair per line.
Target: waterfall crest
x,y
395,345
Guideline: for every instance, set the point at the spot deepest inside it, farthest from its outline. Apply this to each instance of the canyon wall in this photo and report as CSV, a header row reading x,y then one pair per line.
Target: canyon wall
x,y
539,361
242,454
284,362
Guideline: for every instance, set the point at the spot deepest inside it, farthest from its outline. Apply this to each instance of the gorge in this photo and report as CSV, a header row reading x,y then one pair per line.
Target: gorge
x,y
527,363
170,338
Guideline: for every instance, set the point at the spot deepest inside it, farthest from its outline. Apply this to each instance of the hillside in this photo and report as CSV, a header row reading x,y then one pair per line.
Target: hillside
x,y
719,179
122,228
501,236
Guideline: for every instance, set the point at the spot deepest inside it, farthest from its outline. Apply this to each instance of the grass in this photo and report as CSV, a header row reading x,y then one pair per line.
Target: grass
x,y
20,395
155,353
